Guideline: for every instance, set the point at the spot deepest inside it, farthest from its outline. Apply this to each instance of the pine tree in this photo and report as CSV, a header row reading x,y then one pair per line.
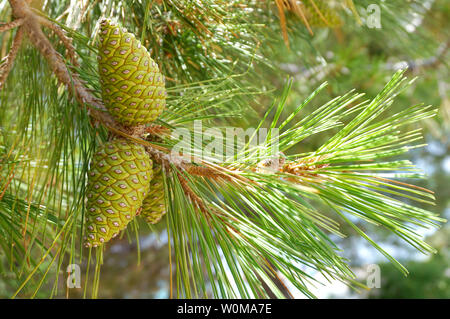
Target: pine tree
x,y
237,226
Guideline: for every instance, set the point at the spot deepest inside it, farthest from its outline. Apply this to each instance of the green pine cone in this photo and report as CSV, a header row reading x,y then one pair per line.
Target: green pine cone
x,y
154,207
133,88
118,181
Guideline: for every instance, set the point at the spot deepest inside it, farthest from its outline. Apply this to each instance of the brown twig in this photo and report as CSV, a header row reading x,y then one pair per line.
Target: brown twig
x,y
30,24
64,39
207,172
280,7
157,130
299,10
207,211
303,168
165,159
319,12
184,165
292,6
11,25
9,59
196,200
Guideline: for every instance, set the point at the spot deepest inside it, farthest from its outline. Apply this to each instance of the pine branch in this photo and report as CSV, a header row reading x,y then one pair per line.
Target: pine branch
x,y
64,38
6,67
31,25
11,25
240,221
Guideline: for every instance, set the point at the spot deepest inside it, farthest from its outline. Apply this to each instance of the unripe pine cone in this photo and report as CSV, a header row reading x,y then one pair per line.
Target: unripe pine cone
x,y
133,88
154,207
118,181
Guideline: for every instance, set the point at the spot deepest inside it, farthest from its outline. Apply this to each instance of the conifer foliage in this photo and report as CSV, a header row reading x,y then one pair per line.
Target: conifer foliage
x,y
88,129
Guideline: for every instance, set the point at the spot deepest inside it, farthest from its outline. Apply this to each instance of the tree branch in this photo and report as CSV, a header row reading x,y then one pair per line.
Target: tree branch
x,y
31,24
11,25
65,39
9,59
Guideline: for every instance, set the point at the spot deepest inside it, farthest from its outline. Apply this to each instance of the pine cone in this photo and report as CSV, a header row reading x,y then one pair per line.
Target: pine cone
x,y
154,207
118,182
133,88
